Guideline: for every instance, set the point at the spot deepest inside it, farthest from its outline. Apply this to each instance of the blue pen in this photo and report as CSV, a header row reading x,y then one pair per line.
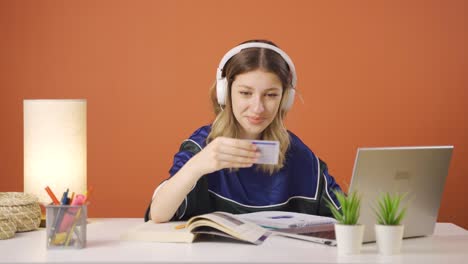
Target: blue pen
x,y
281,216
59,216
64,199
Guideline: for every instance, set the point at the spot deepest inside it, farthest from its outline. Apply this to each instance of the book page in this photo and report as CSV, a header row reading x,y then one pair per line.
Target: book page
x,y
229,224
163,232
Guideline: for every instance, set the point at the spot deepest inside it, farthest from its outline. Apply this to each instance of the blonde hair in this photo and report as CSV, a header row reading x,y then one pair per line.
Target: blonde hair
x,y
225,123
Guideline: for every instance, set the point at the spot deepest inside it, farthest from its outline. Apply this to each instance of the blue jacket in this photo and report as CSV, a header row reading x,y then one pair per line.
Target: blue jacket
x,y
303,185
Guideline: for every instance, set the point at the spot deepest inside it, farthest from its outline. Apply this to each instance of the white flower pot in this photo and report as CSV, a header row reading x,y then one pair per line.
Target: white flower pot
x,y
349,238
389,238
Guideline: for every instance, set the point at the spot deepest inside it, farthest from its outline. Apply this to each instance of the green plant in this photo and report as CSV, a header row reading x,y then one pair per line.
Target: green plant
x,y
388,210
350,208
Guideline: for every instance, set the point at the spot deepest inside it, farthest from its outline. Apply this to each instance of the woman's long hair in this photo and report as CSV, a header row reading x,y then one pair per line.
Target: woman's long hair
x,y
225,123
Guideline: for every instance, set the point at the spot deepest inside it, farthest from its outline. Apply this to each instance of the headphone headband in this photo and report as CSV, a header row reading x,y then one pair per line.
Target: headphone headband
x,y
231,53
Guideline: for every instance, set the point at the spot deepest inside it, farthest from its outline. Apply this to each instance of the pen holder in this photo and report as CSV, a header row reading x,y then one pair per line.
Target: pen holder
x,y
66,226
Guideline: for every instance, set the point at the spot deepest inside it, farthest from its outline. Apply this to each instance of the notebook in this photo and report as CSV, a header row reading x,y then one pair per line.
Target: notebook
x,y
313,228
418,171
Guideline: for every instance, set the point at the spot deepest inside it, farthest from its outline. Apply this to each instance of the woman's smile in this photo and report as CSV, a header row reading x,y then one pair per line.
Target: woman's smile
x,y
255,120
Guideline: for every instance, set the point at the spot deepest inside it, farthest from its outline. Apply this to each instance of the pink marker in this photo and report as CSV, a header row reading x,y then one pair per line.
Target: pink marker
x,y
69,216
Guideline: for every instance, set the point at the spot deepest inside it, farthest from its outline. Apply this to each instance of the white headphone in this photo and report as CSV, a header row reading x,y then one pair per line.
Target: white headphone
x,y
222,83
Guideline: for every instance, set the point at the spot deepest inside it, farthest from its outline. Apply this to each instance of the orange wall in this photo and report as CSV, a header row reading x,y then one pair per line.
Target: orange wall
x,y
371,74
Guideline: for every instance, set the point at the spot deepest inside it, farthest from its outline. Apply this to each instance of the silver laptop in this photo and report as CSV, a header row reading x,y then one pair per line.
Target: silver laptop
x,y
418,171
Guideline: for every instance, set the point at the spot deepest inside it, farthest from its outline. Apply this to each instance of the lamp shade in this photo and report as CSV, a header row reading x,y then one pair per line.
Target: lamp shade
x,y
54,147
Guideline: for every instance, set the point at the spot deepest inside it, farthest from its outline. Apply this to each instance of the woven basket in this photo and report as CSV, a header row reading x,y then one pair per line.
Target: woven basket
x,y
23,209
7,227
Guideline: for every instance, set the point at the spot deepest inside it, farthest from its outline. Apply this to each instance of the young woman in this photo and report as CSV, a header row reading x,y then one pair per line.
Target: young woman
x,y
215,169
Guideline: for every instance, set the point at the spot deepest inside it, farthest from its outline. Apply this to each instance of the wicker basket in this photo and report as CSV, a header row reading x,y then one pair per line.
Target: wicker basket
x,y
23,209
7,227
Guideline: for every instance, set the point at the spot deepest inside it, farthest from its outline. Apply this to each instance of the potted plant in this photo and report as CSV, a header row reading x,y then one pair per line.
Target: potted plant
x,y
349,233
389,230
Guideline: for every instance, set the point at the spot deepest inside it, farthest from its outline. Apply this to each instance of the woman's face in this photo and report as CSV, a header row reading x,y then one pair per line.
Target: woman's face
x,y
256,96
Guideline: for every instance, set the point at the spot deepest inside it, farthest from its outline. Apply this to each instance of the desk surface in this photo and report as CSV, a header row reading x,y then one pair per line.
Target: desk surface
x,y
449,244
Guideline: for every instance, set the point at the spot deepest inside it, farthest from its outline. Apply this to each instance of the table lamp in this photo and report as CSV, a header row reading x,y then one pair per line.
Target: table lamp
x,y
54,147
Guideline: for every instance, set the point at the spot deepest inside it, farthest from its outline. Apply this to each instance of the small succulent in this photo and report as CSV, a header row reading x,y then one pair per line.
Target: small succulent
x,y
388,210
350,208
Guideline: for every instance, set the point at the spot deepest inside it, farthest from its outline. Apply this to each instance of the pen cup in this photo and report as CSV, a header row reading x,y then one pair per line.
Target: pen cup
x,y
66,226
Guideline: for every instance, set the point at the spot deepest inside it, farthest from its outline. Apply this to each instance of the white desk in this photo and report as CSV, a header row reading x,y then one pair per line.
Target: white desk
x,y
449,244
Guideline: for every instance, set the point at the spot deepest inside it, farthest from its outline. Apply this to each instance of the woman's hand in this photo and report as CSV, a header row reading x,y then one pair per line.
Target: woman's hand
x,y
223,153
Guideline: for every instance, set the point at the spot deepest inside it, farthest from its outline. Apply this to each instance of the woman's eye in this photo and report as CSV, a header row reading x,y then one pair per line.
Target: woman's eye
x,y
245,93
272,95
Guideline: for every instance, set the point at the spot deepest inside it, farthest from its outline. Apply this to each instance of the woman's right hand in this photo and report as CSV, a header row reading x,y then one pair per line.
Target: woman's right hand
x,y
224,152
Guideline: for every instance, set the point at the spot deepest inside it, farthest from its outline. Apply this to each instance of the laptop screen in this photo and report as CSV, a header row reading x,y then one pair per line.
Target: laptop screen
x,y
418,172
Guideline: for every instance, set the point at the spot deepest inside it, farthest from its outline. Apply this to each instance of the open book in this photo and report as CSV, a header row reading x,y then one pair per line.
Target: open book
x,y
216,223
252,227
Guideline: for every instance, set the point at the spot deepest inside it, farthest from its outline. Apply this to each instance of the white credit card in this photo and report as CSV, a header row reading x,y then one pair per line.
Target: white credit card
x,y
269,151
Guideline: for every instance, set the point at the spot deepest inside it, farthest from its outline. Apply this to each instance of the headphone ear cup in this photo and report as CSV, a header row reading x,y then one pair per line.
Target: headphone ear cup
x,y
290,99
221,91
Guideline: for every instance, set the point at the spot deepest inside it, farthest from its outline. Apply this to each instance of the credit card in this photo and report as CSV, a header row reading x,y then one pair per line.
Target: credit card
x,y
269,151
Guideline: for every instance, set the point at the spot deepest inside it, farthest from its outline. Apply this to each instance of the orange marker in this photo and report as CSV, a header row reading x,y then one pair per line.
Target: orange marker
x,y
88,193
71,199
52,195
